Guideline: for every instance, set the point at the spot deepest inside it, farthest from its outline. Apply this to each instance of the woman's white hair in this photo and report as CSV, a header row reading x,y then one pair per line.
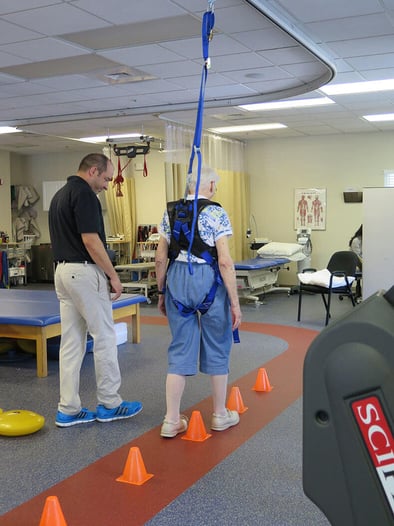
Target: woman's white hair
x,y
207,176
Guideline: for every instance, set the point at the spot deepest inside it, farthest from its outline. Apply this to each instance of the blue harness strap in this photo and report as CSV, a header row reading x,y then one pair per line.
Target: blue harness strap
x,y
206,302
208,23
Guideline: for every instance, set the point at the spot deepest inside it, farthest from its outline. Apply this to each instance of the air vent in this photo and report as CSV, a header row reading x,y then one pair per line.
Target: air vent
x,y
122,75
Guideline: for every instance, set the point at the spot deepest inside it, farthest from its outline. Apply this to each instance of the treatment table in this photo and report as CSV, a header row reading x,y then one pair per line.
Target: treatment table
x,y
146,277
259,276
35,315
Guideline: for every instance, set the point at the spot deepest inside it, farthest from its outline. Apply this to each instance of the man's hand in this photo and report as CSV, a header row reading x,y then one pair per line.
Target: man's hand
x,y
116,287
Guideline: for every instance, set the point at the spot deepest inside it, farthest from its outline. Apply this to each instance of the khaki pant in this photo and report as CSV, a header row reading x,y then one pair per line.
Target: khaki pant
x,y
85,306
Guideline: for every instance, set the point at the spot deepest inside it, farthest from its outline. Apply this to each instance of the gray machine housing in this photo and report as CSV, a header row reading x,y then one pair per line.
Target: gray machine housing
x,y
350,360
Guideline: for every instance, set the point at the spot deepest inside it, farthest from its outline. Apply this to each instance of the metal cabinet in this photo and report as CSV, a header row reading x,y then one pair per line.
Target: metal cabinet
x,y
42,263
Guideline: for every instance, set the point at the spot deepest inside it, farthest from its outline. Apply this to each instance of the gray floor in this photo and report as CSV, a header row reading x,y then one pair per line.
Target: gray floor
x,y
259,484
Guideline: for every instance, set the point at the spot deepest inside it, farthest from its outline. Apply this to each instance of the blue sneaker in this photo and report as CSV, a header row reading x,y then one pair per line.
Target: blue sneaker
x,y
83,417
124,410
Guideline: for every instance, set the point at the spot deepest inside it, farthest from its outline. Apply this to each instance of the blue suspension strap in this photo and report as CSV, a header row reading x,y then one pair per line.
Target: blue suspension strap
x,y
208,23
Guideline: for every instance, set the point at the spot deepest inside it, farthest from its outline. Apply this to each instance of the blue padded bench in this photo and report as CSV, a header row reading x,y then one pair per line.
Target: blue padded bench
x,y
35,315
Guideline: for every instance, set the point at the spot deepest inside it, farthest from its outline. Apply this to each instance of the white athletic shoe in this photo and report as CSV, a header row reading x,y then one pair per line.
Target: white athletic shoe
x,y
221,423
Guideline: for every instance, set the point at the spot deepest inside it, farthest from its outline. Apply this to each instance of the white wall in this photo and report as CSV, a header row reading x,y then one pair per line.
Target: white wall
x,y
276,167
34,169
334,162
5,193
378,247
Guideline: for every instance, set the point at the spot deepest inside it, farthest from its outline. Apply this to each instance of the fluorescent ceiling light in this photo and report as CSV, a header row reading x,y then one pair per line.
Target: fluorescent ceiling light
x,y
379,118
359,87
104,138
286,104
8,129
248,127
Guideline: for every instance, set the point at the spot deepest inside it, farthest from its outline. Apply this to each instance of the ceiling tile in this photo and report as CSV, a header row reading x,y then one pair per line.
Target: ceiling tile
x,y
69,65
141,55
8,79
378,74
179,68
186,47
258,74
351,28
10,6
251,60
214,79
43,49
64,18
240,18
158,86
234,90
9,60
23,88
368,62
68,82
135,34
318,10
199,6
232,62
305,69
363,46
124,12
12,33
287,55
274,86
264,39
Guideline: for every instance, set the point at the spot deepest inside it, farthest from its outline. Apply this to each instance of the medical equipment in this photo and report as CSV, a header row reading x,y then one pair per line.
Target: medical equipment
x,y
146,277
348,416
259,276
304,239
259,242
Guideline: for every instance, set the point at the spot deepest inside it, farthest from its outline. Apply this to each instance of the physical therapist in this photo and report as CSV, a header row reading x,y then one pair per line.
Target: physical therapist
x,y
84,280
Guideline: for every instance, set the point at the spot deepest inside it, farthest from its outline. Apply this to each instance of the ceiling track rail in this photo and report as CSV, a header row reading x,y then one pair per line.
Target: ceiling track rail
x,y
266,8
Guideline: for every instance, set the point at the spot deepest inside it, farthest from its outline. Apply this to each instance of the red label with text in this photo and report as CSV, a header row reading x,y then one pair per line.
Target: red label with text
x,y
379,441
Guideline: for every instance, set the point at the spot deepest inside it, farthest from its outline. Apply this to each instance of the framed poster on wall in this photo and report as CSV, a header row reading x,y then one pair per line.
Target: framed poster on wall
x,y
310,208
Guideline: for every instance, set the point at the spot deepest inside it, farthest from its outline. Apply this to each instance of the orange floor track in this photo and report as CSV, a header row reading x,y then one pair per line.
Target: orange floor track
x,y
93,496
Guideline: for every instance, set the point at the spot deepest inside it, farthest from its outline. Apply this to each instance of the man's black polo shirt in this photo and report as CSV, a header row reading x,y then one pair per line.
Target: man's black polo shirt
x,y
74,210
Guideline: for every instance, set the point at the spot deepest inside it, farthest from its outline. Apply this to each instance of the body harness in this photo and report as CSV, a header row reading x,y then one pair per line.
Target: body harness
x,y
181,215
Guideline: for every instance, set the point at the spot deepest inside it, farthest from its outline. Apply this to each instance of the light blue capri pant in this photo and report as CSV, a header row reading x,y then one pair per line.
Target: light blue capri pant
x,y
197,340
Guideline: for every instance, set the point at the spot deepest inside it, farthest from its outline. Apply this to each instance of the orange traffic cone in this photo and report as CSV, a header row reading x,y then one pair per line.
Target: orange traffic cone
x,y
52,514
235,402
196,430
134,471
262,383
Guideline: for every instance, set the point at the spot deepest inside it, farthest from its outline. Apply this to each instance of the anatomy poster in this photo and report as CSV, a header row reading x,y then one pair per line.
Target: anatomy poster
x,y
310,208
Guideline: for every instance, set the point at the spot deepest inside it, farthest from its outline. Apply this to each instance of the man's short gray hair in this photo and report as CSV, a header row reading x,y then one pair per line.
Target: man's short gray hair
x,y
207,176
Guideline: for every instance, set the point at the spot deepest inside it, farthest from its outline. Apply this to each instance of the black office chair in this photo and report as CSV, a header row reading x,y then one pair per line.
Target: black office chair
x,y
342,264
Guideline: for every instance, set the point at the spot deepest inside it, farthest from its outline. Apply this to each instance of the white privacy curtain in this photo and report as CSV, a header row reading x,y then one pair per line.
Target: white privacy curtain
x,y
227,157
